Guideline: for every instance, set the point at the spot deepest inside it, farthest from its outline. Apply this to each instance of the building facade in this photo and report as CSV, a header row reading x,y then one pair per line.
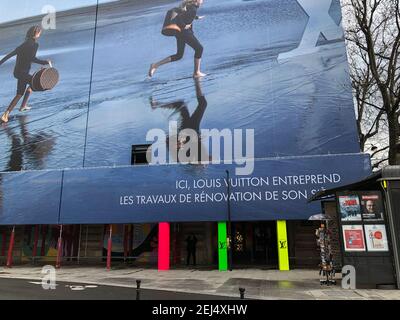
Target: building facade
x,y
102,164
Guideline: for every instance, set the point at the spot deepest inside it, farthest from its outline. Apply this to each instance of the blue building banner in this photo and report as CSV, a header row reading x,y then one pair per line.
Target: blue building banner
x,y
277,189
31,197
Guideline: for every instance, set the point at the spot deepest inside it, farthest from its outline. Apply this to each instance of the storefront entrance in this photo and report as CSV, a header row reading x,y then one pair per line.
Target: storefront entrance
x,y
255,243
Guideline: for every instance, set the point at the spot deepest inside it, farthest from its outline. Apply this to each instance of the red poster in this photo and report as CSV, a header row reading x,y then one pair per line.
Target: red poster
x,y
353,238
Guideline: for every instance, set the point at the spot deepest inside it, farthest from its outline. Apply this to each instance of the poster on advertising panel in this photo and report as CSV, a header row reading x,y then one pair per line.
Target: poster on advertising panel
x,y
353,237
371,206
350,208
376,237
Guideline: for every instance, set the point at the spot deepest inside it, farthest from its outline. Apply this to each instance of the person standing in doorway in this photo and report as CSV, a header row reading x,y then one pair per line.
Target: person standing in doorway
x,y
191,243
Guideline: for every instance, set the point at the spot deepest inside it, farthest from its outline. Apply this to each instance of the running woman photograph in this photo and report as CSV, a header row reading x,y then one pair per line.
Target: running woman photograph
x,y
26,55
243,47
179,24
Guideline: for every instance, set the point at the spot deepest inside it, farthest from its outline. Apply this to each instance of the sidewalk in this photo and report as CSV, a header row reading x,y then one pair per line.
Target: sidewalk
x,y
259,284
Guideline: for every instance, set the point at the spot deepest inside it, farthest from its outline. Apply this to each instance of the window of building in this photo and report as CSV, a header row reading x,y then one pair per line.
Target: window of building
x,y
139,154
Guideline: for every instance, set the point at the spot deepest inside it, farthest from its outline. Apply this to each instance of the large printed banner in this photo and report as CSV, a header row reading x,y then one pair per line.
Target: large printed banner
x,y
276,66
278,189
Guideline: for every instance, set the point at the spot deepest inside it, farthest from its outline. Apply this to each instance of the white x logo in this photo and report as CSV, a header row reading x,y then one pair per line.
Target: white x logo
x,y
319,22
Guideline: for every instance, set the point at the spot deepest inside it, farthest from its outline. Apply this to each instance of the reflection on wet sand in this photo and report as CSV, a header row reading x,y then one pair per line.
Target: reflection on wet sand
x,y
186,121
27,151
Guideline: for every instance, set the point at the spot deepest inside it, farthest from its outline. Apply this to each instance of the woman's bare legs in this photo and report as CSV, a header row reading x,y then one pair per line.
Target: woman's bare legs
x,y
186,37
24,107
197,73
180,49
154,66
10,108
197,64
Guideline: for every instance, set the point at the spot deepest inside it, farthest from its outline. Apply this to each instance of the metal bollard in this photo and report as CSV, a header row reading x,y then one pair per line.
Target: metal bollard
x,y
137,294
138,282
242,291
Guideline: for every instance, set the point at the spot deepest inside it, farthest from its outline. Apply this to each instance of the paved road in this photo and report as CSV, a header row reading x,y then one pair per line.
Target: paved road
x,y
259,284
32,290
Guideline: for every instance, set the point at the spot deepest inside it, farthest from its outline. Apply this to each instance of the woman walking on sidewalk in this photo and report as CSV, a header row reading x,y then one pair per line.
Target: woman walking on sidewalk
x,y
26,55
185,15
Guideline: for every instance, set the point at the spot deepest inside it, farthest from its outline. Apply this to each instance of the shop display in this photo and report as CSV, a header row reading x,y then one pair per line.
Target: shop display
x,y
327,269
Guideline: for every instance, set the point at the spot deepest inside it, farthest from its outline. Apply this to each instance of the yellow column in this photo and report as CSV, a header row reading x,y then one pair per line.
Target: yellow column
x,y
283,253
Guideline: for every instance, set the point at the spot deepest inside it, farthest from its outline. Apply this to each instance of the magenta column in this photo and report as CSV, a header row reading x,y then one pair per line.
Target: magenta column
x,y
10,249
163,246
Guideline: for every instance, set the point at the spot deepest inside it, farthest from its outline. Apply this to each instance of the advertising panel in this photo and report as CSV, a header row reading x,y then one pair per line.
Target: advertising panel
x,y
371,206
376,237
349,208
353,236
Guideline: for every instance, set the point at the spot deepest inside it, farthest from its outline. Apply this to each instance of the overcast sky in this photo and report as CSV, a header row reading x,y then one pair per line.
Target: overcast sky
x,y
17,9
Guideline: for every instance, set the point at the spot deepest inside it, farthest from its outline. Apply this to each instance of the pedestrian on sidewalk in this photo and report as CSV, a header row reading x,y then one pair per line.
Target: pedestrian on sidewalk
x,y
191,243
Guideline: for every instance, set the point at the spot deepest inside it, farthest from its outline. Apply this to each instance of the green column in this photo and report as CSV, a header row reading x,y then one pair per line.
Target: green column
x,y
222,247
283,253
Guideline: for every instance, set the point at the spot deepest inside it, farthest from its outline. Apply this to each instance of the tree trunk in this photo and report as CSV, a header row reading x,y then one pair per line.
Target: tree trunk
x,y
394,158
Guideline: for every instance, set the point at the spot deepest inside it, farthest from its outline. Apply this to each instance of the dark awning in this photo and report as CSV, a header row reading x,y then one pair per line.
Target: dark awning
x,y
371,182
365,184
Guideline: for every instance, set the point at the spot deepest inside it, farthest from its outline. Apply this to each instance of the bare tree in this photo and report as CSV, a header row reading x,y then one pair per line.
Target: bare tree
x,y
373,34
371,120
